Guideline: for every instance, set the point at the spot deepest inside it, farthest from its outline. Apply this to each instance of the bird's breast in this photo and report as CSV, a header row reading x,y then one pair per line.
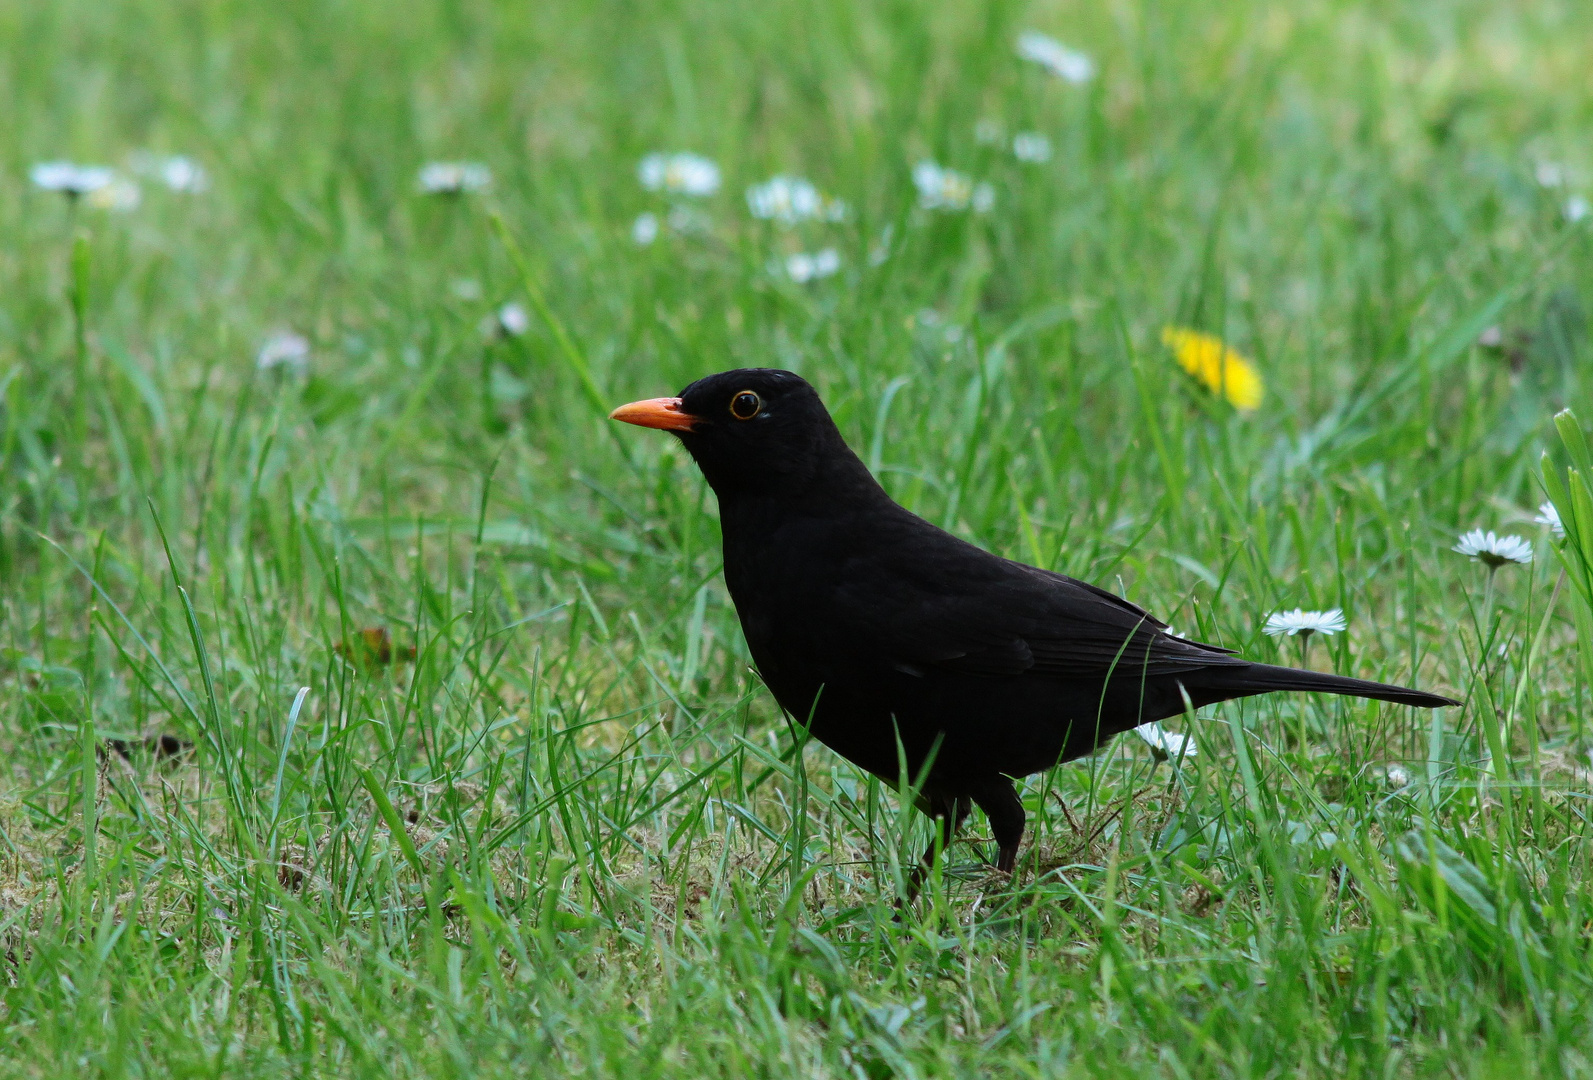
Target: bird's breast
x,y
782,578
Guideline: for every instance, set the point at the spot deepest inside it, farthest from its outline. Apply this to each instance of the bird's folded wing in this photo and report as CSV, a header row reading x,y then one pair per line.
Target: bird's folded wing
x,y
1015,620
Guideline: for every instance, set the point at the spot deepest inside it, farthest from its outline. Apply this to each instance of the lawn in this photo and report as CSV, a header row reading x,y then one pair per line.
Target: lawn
x,y
373,706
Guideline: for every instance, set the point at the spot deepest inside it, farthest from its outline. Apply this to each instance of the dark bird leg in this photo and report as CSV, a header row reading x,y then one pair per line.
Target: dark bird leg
x,y
999,800
948,812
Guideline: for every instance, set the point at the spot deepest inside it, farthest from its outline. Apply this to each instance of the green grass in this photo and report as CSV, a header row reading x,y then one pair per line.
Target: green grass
x,y
570,835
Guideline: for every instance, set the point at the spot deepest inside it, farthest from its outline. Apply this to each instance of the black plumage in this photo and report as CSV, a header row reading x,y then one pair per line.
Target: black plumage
x,y
884,630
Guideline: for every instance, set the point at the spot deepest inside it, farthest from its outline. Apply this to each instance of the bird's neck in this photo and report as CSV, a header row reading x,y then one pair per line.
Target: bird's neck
x,y
838,484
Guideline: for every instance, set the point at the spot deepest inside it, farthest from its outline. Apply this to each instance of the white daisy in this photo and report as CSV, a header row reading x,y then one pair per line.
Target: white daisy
x,y
688,219
1396,776
1067,64
1304,622
513,319
644,230
882,250
935,327
947,189
119,194
678,174
941,188
184,175
1549,514
1031,146
181,174
1494,551
1165,744
786,199
285,350
1576,208
1549,174
508,320
802,267
69,179
453,177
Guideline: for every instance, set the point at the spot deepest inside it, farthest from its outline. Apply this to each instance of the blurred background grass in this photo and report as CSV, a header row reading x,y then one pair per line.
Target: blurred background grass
x,y
534,811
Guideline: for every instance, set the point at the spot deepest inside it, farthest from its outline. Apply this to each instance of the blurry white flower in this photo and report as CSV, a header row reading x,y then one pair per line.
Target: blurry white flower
x,y
882,250
678,174
453,177
1491,338
987,132
285,350
803,267
1576,208
1396,776
1549,174
1031,146
178,173
644,230
1067,64
505,387
947,189
1494,551
1165,744
69,179
119,194
1304,622
941,188
513,319
935,327
790,199
688,219
184,174
1549,514
507,320
786,199
466,289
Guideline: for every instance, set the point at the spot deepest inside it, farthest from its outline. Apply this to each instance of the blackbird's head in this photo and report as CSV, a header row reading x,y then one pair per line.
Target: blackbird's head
x,y
752,430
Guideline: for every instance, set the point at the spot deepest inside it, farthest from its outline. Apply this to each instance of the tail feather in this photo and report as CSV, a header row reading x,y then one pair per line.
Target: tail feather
x,y
1223,683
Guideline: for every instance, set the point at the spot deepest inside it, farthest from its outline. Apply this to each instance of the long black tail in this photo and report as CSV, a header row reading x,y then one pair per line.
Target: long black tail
x,y
1222,683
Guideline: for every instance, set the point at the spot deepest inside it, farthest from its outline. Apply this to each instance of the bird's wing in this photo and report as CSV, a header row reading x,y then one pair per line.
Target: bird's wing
x,y
974,613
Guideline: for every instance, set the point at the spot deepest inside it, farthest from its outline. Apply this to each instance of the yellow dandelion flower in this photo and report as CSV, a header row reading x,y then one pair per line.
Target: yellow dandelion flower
x,y
1217,367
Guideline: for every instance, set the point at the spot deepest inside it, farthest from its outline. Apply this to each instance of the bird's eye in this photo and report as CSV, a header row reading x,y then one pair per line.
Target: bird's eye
x,y
745,405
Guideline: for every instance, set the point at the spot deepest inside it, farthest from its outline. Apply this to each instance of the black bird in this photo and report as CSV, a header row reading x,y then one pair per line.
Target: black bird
x,y
880,630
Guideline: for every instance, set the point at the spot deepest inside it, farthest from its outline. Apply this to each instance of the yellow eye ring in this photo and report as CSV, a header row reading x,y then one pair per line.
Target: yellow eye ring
x,y
745,404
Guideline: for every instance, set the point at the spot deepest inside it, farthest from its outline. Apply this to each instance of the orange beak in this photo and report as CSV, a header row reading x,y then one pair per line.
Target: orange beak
x,y
658,412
